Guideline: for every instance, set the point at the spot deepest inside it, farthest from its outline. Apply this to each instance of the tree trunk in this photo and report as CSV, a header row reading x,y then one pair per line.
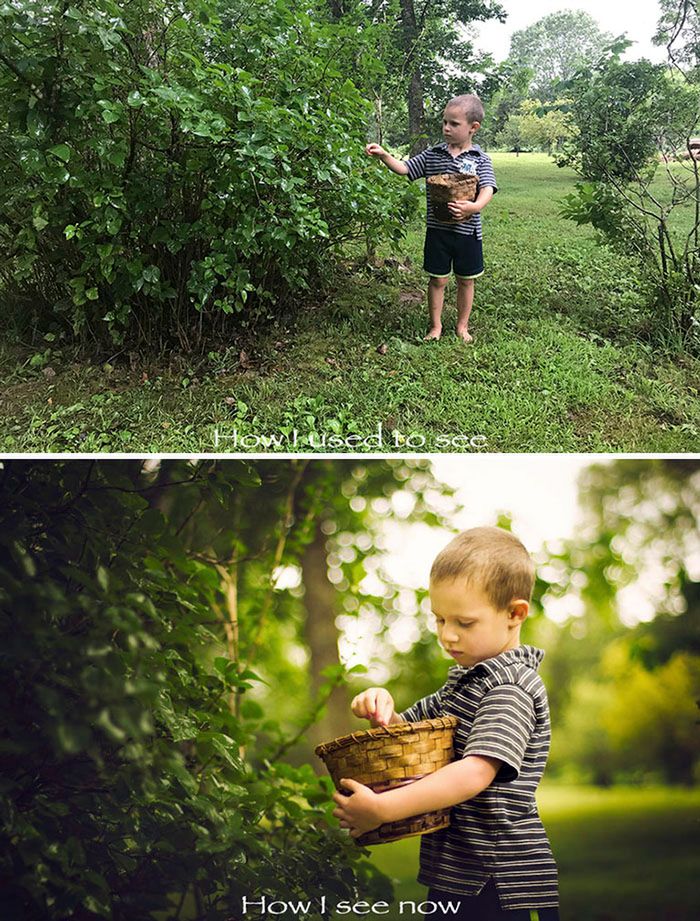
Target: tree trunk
x,y
321,635
416,112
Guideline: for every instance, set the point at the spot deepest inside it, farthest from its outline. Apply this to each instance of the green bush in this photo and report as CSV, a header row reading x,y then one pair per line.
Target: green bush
x,y
130,786
166,165
632,123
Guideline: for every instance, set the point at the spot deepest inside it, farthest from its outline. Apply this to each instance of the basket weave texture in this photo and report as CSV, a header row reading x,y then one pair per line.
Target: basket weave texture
x,y
447,187
393,756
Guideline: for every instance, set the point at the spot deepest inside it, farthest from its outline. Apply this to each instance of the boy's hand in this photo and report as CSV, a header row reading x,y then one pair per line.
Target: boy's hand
x,y
360,812
374,704
462,209
375,150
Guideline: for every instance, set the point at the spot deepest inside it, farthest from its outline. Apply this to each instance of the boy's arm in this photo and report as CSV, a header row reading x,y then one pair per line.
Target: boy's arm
x,y
396,166
452,784
487,189
464,209
483,198
496,745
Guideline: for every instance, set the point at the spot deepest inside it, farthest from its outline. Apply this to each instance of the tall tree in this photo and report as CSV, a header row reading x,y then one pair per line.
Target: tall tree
x,y
554,47
430,37
679,31
421,51
346,544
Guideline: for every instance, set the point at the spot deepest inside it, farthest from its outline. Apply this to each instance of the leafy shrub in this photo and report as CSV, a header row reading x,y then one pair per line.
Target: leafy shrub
x,y
633,122
130,785
623,113
166,164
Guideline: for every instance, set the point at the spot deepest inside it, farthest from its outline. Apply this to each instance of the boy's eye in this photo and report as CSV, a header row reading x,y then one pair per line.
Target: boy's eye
x,y
460,623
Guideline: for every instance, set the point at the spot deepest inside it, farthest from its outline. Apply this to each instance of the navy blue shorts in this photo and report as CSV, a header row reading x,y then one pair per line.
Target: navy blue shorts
x,y
486,907
446,251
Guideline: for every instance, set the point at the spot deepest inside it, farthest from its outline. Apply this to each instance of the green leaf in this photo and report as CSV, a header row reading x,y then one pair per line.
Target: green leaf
x,y
223,665
104,721
72,738
62,151
102,574
252,710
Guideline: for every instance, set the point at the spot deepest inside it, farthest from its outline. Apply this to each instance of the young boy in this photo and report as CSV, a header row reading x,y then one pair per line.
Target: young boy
x,y
451,246
494,854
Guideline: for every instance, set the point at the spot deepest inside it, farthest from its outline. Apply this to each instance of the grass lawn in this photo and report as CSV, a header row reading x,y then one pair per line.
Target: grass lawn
x,y
624,854
554,366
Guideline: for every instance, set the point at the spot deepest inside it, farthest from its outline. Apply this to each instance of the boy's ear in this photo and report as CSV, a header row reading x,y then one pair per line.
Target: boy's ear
x,y
476,126
518,611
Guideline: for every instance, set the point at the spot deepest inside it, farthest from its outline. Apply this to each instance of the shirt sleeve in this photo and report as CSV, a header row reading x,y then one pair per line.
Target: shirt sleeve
x,y
428,708
502,729
416,166
487,177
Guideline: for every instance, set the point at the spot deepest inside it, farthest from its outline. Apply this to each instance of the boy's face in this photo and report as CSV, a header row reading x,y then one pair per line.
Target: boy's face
x,y
469,627
455,127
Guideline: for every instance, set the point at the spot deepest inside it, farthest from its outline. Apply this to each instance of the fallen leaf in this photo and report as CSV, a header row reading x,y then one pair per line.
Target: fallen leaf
x,y
383,348
48,372
230,401
244,359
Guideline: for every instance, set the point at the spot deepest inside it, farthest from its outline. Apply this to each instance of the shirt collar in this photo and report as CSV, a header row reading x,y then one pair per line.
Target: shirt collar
x,y
530,656
475,150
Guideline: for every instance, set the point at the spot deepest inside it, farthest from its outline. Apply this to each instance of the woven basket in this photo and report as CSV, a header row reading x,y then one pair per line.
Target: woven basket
x,y
450,187
393,756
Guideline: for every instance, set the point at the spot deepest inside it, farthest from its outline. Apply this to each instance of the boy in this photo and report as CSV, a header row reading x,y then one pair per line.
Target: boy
x,y
458,245
494,854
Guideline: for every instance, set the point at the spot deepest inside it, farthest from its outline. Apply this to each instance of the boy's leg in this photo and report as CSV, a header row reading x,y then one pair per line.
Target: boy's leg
x,y
437,262
469,264
482,907
486,907
436,298
465,300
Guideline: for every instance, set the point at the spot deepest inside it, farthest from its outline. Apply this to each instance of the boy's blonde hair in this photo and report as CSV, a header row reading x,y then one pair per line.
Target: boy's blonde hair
x,y
490,558
470,105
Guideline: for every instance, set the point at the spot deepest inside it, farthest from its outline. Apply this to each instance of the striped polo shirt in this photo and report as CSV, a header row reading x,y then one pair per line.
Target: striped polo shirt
x,y
438,159
501,704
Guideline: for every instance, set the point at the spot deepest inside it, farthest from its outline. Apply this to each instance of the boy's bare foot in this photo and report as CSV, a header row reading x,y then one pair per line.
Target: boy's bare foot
x,y
434,334
464,335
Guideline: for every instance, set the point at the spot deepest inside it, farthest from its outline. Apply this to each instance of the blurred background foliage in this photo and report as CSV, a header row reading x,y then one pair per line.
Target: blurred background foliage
x,y
176,637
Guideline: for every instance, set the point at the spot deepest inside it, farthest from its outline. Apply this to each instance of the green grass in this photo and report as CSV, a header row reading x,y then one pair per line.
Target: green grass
x,y
623,854
557,364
